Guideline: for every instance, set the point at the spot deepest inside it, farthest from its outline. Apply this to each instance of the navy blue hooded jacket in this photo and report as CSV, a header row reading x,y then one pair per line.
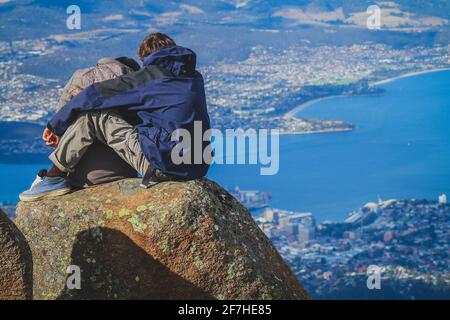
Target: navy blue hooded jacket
x,y
165,95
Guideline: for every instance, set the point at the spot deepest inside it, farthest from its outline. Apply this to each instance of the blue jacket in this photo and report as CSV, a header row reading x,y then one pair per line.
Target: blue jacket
x,y
165,95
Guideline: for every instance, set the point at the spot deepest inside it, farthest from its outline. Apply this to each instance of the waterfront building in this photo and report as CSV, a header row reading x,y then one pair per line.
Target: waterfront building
x,y
251,199
305,234
272,216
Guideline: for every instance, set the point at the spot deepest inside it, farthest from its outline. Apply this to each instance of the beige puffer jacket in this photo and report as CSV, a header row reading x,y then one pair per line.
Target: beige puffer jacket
x,y
106,69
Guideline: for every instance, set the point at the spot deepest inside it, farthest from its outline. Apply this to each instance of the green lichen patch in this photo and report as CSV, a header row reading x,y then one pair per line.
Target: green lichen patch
x,y
109,214
124,213
266,296
163,216
164,246
137,225
198,262
220,297
141,208
230,272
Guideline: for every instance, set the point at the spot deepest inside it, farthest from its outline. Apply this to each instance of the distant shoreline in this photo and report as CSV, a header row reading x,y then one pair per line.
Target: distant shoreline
x,y
317,131
407,75
291,114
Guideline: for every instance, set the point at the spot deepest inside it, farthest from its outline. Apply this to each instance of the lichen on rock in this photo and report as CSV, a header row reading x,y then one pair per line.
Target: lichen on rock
x,y
181,240
16,266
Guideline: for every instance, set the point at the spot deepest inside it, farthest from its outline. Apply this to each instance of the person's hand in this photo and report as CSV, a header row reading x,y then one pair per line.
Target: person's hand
x,y
50,138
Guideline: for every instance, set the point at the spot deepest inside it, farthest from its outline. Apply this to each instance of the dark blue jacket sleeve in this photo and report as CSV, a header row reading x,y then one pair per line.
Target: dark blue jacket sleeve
x,y
88,100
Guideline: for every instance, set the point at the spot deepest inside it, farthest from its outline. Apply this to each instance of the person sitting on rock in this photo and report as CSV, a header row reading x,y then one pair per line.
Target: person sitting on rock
x,y
100,163
137,115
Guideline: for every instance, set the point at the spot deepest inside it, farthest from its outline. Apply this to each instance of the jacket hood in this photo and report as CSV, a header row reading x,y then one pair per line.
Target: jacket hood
x,y
179,60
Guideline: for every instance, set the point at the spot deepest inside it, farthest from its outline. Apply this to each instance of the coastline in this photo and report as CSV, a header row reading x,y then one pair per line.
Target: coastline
x,y
316,132
291,114
407,75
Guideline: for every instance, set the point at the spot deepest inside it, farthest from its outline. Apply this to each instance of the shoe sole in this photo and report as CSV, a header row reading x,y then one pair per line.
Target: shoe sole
x,y
52,194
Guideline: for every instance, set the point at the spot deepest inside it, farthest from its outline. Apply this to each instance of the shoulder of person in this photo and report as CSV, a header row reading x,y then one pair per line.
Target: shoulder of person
x,y
73,87
81,79
114,65
107,69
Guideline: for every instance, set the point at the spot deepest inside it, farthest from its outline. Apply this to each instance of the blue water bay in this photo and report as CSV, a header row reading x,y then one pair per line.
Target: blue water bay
x,y
400,148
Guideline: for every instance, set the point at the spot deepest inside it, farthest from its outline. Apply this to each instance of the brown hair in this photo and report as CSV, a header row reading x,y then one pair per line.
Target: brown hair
x,y
152,43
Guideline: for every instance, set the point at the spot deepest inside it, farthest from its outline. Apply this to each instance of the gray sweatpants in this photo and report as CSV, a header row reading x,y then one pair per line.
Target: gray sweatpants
x,y
108,128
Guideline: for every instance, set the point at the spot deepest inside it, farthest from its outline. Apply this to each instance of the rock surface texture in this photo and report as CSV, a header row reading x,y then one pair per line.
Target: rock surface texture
x,y
175,240
16,266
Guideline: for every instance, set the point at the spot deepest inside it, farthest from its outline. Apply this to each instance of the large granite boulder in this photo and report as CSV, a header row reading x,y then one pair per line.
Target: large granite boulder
x,y
16,265
176,240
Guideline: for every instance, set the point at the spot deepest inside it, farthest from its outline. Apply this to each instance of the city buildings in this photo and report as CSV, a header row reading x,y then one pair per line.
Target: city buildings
x,y
251,199
407,239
